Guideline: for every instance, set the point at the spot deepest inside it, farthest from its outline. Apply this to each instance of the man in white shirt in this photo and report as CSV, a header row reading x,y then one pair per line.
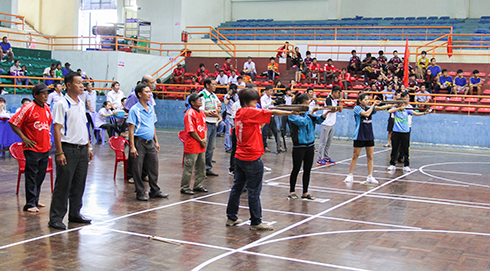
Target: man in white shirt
x,y
56,95
73,152
328,126
222,78
115,95
249,68
89,97
233,79
266,103
210,107
47,71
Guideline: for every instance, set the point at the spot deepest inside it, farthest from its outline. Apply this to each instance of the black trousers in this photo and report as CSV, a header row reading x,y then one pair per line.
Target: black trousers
x,y
147,160
272,126
233,150
70,183
35,171
400,143
303,156
90,122
353,70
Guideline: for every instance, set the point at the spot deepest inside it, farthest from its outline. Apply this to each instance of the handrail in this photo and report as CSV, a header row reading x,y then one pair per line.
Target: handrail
x,y
175,58
22,19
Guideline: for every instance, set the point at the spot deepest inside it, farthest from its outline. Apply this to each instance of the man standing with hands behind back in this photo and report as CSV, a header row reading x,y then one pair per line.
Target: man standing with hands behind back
x,y
73,152
210,105
33,123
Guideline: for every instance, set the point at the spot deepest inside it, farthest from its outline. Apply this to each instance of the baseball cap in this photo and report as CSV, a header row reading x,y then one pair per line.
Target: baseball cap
x,y
39,88
216,64
194,97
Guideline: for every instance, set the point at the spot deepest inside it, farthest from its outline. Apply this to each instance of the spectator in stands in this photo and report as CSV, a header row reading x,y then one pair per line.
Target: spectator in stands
x,y
3,112
434,68
240,84
22,72
50,82
194,80
412,87
337,82
194,147
82,74
422,65
216,69
202,68
382,60
115,95
423,98
296,57
372,71
345,78
246,79
14,70
292,84
475,82
394,61
232,68
301,70
201,77
222,78
230,98
7,49
460,83
58,73
24,102
429,80
101,119
249,68
281,51
445,82
233,78
315,70
308,59
389,95
210,107
66,69
226,66
366,62
33,125
354,63
272,69
55,96
144,144
328,71
177,76
47,71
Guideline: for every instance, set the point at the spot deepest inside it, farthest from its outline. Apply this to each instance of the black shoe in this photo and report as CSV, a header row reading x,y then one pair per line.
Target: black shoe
x,y
201,189
159,195
228,151
186,191
80,219
211,173
142,198
57,225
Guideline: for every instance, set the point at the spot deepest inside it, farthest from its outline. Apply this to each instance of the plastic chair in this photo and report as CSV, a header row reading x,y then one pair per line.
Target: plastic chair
x,y
117,144
98,135
182,137
17,151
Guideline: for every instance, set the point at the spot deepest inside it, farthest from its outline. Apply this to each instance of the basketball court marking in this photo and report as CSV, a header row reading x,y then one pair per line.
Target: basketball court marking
x,y
259,241
450,180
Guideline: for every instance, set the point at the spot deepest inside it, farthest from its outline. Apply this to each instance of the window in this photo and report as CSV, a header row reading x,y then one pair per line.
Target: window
x,y
99,4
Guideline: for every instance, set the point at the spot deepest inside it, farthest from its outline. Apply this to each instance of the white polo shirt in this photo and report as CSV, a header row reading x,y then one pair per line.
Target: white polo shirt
x,y
265,101
71,115
115,98
249,66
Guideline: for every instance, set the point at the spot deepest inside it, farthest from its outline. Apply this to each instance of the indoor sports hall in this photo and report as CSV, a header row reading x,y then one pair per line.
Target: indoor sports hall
x,y
400,183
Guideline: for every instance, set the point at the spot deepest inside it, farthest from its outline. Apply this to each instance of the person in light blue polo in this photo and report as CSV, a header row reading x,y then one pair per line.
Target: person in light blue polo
x,y
143,143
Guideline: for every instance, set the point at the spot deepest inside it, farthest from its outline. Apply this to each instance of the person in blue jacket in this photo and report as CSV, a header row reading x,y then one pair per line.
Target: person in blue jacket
x,y
303,136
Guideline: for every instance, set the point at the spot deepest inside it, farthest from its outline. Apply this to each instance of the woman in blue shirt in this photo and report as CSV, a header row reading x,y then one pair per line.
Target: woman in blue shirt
x,y
303,136
364,137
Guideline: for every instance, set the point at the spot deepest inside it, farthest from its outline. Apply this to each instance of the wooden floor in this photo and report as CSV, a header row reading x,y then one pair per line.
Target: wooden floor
x,y
436,217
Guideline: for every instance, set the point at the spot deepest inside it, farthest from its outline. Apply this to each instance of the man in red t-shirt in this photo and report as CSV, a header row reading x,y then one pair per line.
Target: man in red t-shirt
x,y
328,71
249,168
315,70
177,76
33,124
194,147
226,65
345,78
202,68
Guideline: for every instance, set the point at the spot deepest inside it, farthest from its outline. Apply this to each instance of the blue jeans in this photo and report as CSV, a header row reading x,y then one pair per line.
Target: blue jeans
x,y
221,128
228,125
251,74
211,144
247,173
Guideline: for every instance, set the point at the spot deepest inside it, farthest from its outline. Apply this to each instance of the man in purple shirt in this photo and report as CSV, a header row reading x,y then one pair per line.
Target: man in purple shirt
x,y
7,49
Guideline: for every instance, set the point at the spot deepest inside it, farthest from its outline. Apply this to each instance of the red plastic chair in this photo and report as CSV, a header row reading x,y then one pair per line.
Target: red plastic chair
x,y
182,137
17,151
117,144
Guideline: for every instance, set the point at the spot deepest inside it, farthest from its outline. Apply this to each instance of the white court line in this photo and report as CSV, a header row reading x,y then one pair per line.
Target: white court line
x,y
454,172
244,252
308,215
461,152
450,180
259,241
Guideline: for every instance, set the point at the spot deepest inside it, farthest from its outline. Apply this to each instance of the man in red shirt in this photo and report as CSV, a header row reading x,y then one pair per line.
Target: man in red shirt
x,y
226,65
216,69
194,147
345,78
202,68
329,71
315,70
249,168
33,124
177,76
337,82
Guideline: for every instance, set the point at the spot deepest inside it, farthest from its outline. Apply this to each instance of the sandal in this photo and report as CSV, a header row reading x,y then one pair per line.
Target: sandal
x,y
310,197
187,191
200,189
292,196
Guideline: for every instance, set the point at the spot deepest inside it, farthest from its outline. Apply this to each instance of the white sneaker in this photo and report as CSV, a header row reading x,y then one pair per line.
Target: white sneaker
x,y
391,168
349,179
370,181
406,169
267,168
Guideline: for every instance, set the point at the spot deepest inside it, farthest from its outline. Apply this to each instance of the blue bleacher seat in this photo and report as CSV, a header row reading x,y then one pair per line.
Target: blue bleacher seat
x,y
367,19
377,19
399,18
444,18
410,18
432,18
388,18
421,18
